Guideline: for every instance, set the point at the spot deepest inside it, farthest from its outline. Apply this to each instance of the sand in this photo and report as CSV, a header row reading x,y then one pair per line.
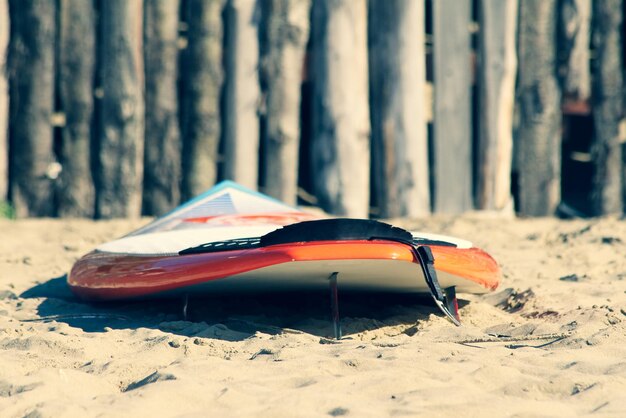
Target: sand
x,y
550,342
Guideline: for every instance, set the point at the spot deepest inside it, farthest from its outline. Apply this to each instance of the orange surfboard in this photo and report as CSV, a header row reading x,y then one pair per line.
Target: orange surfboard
x,y
232,239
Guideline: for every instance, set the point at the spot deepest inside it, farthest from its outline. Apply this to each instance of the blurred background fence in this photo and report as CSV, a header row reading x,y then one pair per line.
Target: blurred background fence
x,y
385,108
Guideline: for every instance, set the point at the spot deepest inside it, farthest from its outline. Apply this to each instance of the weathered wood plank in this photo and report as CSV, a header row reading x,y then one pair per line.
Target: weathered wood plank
x,y
400,173
452,124
121,114
285,34
75,192
496,99
242,92
607,96
341,128
202,84
538,140
575,17
32,73
162,156
4,100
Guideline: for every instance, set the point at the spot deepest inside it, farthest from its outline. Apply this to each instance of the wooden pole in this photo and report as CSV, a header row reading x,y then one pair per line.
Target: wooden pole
x,y
539,136
285,35
75,194
400,173
121,127
575,17
162,161
4,100
202,83
341,129
241,119
496,98
452,124
607,95
31,66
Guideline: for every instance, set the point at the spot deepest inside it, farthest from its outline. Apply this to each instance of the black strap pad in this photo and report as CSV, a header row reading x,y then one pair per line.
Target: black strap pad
x,y
335,230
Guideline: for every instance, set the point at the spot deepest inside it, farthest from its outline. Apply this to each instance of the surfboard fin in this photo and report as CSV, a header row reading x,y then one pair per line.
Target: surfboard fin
x,y
334,305
185,306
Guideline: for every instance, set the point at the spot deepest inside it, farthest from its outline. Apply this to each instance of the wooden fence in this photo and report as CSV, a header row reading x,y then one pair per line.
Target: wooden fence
x,y
116,108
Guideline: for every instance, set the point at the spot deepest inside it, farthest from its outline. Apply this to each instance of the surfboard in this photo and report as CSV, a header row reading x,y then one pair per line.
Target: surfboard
x,y
234,240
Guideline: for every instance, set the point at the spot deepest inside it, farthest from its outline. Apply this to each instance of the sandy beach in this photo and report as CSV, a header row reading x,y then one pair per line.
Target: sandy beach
x,y
550,342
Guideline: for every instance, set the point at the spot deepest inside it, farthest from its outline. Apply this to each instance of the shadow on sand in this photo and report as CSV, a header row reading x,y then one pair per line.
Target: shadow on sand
x,y
235,317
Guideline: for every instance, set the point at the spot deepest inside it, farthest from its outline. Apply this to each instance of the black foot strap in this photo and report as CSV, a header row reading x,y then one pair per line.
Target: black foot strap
x,y
446,299
334,305
452,303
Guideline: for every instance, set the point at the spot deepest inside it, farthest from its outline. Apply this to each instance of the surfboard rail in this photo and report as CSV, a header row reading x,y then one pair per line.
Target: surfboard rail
x,y
104,276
